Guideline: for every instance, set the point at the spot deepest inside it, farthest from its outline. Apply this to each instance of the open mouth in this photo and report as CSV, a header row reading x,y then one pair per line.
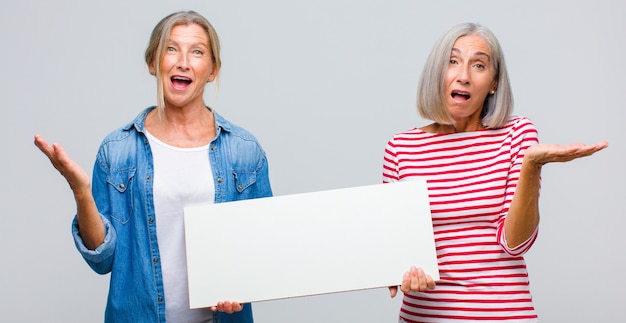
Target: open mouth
x,y
460,95
179,82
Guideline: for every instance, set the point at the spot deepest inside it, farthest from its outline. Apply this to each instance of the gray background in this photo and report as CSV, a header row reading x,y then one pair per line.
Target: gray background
x,y
323,85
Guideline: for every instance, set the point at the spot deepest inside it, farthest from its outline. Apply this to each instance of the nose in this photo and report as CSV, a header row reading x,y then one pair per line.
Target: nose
x,y
463,75
182,63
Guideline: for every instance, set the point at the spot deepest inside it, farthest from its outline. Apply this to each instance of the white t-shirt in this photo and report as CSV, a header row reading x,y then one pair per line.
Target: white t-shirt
x,y
182,176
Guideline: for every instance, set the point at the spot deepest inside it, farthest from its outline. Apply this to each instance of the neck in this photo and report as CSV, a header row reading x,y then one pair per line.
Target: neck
x,y
182,127
456,128
184,115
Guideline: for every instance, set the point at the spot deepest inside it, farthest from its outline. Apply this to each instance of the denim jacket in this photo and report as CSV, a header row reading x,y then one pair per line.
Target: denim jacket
x,y
122,188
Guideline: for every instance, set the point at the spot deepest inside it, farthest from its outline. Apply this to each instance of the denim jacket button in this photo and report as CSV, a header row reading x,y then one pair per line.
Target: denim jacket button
x,y
155,260
151,220
160,299
122,186
219,179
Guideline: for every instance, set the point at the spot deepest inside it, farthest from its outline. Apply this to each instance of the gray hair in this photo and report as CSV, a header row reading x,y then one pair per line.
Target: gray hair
x,y
431,96
161,36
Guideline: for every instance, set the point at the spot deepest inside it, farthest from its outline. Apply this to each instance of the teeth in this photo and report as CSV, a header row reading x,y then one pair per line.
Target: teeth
x,y
459,93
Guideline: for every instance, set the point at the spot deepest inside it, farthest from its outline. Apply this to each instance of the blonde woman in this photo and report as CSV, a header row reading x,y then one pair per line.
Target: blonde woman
x,y
129,220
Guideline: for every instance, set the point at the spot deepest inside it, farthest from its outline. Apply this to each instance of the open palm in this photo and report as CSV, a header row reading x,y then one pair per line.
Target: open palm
x,y
542,154
75,175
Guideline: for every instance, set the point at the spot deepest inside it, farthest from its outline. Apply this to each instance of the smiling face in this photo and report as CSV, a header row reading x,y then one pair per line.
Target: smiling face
x,y
469,78
186,66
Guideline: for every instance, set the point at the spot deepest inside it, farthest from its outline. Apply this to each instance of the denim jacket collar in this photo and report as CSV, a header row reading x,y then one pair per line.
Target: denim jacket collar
x,y
139,122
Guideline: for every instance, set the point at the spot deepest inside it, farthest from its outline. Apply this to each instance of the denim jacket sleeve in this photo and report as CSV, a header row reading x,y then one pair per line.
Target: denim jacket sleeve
x,y
100,259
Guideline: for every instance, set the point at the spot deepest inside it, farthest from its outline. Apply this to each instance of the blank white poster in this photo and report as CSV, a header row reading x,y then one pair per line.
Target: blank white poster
x,y
308,244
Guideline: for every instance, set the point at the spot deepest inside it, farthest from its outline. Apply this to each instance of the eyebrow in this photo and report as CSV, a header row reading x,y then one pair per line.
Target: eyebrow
x,y
173,42
454,49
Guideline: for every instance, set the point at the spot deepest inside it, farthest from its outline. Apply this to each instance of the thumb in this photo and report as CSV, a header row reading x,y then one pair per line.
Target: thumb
x,y
393,291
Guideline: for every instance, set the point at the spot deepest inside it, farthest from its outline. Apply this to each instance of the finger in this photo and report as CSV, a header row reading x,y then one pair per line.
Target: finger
x,y
410,280
234,307
584,151
60,153
430,282
592,149
423,280
393,291
227,307
405,287
43,146
418,280
55,152
217,307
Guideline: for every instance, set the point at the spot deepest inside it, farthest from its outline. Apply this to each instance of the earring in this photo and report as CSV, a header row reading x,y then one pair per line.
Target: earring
x,y
492,92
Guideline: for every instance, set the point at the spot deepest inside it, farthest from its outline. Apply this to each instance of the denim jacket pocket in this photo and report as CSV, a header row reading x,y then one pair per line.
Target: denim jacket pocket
x,y
121,194
243,179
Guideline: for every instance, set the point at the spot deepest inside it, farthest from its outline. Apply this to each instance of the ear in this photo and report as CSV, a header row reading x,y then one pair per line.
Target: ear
x,y
494,85
152,69
212,75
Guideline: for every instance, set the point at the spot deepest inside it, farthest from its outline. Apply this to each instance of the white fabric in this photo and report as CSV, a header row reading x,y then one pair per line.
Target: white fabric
x,y
182,176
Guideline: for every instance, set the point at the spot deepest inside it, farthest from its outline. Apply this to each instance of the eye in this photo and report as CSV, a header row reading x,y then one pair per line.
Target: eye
x,y
198,52
480,66
453,61
170,49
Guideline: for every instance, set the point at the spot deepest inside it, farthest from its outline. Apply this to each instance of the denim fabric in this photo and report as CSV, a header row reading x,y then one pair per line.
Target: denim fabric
x,y
122,188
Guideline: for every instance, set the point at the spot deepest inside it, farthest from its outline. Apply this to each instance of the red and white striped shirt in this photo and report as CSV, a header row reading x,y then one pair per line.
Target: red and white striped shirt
x,y
471,179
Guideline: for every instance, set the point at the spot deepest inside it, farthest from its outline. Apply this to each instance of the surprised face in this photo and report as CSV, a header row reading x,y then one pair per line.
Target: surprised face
x,y
186,66
469,78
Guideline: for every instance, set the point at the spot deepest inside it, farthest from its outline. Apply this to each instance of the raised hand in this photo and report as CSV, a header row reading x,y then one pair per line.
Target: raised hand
x,y
90,224
74,174
542,154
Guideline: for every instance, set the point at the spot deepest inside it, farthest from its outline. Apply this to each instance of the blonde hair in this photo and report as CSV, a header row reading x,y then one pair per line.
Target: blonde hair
x,y
431,96
161,36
